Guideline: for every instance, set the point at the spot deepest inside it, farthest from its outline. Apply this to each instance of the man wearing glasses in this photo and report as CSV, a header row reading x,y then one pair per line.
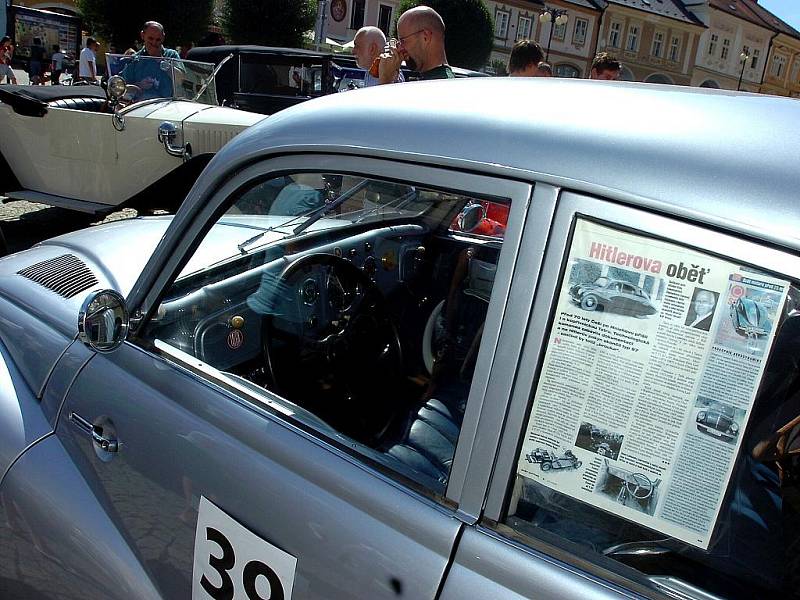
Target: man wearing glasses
x,y
420,43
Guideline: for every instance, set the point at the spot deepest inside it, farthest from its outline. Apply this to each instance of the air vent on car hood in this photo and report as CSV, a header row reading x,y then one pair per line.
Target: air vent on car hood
x,y
66,275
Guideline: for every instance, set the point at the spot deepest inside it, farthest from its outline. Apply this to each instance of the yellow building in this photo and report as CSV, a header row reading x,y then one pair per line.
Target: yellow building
x,y
782,71
655,41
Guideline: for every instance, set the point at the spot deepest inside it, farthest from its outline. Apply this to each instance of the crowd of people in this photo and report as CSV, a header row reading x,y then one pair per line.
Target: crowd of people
x,y
420,45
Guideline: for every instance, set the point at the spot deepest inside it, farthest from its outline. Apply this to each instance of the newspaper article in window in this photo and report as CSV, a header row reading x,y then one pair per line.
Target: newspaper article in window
x,y
653,362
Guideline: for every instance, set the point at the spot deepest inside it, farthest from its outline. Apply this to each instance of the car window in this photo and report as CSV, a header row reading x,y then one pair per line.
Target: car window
x,y
347,302
671,450
264,74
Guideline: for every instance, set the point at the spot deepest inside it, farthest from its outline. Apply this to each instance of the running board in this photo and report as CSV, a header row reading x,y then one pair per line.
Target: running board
x,y
84,206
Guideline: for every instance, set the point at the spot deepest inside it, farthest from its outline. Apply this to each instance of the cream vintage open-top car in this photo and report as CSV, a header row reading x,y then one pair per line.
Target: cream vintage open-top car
x,y
83,148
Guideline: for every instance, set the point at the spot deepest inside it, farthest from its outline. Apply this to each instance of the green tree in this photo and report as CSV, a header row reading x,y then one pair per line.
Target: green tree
x,y
119,23
269,22
469,35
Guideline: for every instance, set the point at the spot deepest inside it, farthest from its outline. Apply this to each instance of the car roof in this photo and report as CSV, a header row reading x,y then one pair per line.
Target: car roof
x,y
725,158
217,53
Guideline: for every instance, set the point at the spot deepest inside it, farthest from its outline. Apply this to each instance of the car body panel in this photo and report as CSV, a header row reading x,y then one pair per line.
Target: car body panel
x,y
79,155
50,537
336,529
23,422
486,566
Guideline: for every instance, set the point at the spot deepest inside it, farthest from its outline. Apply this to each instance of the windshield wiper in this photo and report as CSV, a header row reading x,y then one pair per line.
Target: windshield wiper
x,y
396,204
325,209
312,215
258,236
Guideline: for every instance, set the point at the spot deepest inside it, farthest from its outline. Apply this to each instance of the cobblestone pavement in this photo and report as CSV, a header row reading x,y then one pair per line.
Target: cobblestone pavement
x,y
25,223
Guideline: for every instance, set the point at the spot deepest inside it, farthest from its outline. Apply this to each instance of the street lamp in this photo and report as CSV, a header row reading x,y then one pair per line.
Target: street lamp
x,y
556,17
744,57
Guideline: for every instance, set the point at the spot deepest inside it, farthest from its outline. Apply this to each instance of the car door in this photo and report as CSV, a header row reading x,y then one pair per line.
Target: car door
x,y
673,512
172,475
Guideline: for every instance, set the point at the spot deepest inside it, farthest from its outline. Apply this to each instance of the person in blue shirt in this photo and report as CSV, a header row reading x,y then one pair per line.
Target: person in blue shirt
x,y
152,77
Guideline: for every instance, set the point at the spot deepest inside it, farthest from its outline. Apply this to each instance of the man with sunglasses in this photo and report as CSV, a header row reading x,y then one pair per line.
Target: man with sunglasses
x,y
420,43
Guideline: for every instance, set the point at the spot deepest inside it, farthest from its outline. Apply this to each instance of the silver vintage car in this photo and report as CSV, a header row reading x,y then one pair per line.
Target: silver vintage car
x,y
310,383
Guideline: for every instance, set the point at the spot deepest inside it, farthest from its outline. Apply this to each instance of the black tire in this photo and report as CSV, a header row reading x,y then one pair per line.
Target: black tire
x,y
589,302
546,466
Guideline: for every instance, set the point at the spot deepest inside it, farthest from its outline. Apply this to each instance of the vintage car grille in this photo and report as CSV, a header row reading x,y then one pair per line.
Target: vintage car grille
x,y
66,275
204,142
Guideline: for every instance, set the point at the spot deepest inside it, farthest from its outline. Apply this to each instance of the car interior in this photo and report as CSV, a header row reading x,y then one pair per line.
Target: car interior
x,y
357,303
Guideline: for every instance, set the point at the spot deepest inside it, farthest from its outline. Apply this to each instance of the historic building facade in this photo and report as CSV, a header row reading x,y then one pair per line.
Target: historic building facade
x,y
733,50
782,69
655,40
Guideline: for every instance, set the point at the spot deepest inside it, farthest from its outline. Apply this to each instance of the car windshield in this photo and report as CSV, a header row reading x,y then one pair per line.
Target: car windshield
x,y
151,77
299,204
602,281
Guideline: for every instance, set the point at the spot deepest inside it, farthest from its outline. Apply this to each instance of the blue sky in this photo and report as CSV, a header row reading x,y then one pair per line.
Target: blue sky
x,y
787,10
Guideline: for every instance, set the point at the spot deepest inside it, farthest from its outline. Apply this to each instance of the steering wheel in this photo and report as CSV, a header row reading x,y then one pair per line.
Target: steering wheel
x,y
330,346
638,485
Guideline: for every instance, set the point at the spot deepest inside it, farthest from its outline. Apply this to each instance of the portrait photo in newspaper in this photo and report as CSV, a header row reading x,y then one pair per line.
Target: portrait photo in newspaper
x,y
701,309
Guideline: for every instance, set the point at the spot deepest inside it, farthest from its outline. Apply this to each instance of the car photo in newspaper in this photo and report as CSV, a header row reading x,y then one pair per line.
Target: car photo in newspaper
x,y
654,358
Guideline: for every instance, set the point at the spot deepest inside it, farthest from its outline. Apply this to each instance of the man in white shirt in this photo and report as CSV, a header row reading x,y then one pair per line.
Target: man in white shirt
x,y
87,68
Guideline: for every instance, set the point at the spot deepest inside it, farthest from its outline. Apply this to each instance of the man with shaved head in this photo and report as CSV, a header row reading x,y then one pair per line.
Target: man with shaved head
x,y
151,78
367,47
420,43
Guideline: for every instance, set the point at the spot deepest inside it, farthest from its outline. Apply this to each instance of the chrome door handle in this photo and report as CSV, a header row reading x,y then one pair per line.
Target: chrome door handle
x,y
95,432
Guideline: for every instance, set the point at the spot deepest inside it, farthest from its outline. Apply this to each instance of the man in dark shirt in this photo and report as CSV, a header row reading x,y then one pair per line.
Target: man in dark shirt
x,y
35,66
420,43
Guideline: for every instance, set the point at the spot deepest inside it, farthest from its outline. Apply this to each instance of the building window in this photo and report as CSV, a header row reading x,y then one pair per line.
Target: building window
x,y
633,39
754,60
567,71
674,49
384,18
726,48
581,26
778,65
614,34
796,70
357,17
658,44
712,45
501,24
560,31
524,28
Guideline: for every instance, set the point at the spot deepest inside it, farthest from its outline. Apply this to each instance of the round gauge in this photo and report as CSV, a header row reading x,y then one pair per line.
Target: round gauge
x,y
341,296
309,291
370,267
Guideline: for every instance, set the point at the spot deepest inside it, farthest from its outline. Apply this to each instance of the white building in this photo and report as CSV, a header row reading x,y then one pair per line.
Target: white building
x,y
733,29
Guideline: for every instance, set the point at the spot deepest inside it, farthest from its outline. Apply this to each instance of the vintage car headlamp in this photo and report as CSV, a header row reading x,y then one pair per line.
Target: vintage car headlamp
x,y
734,428
116,87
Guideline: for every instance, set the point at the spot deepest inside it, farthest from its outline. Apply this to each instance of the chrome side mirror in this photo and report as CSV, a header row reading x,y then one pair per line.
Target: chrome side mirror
x,y
167,133
470,217
103,320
